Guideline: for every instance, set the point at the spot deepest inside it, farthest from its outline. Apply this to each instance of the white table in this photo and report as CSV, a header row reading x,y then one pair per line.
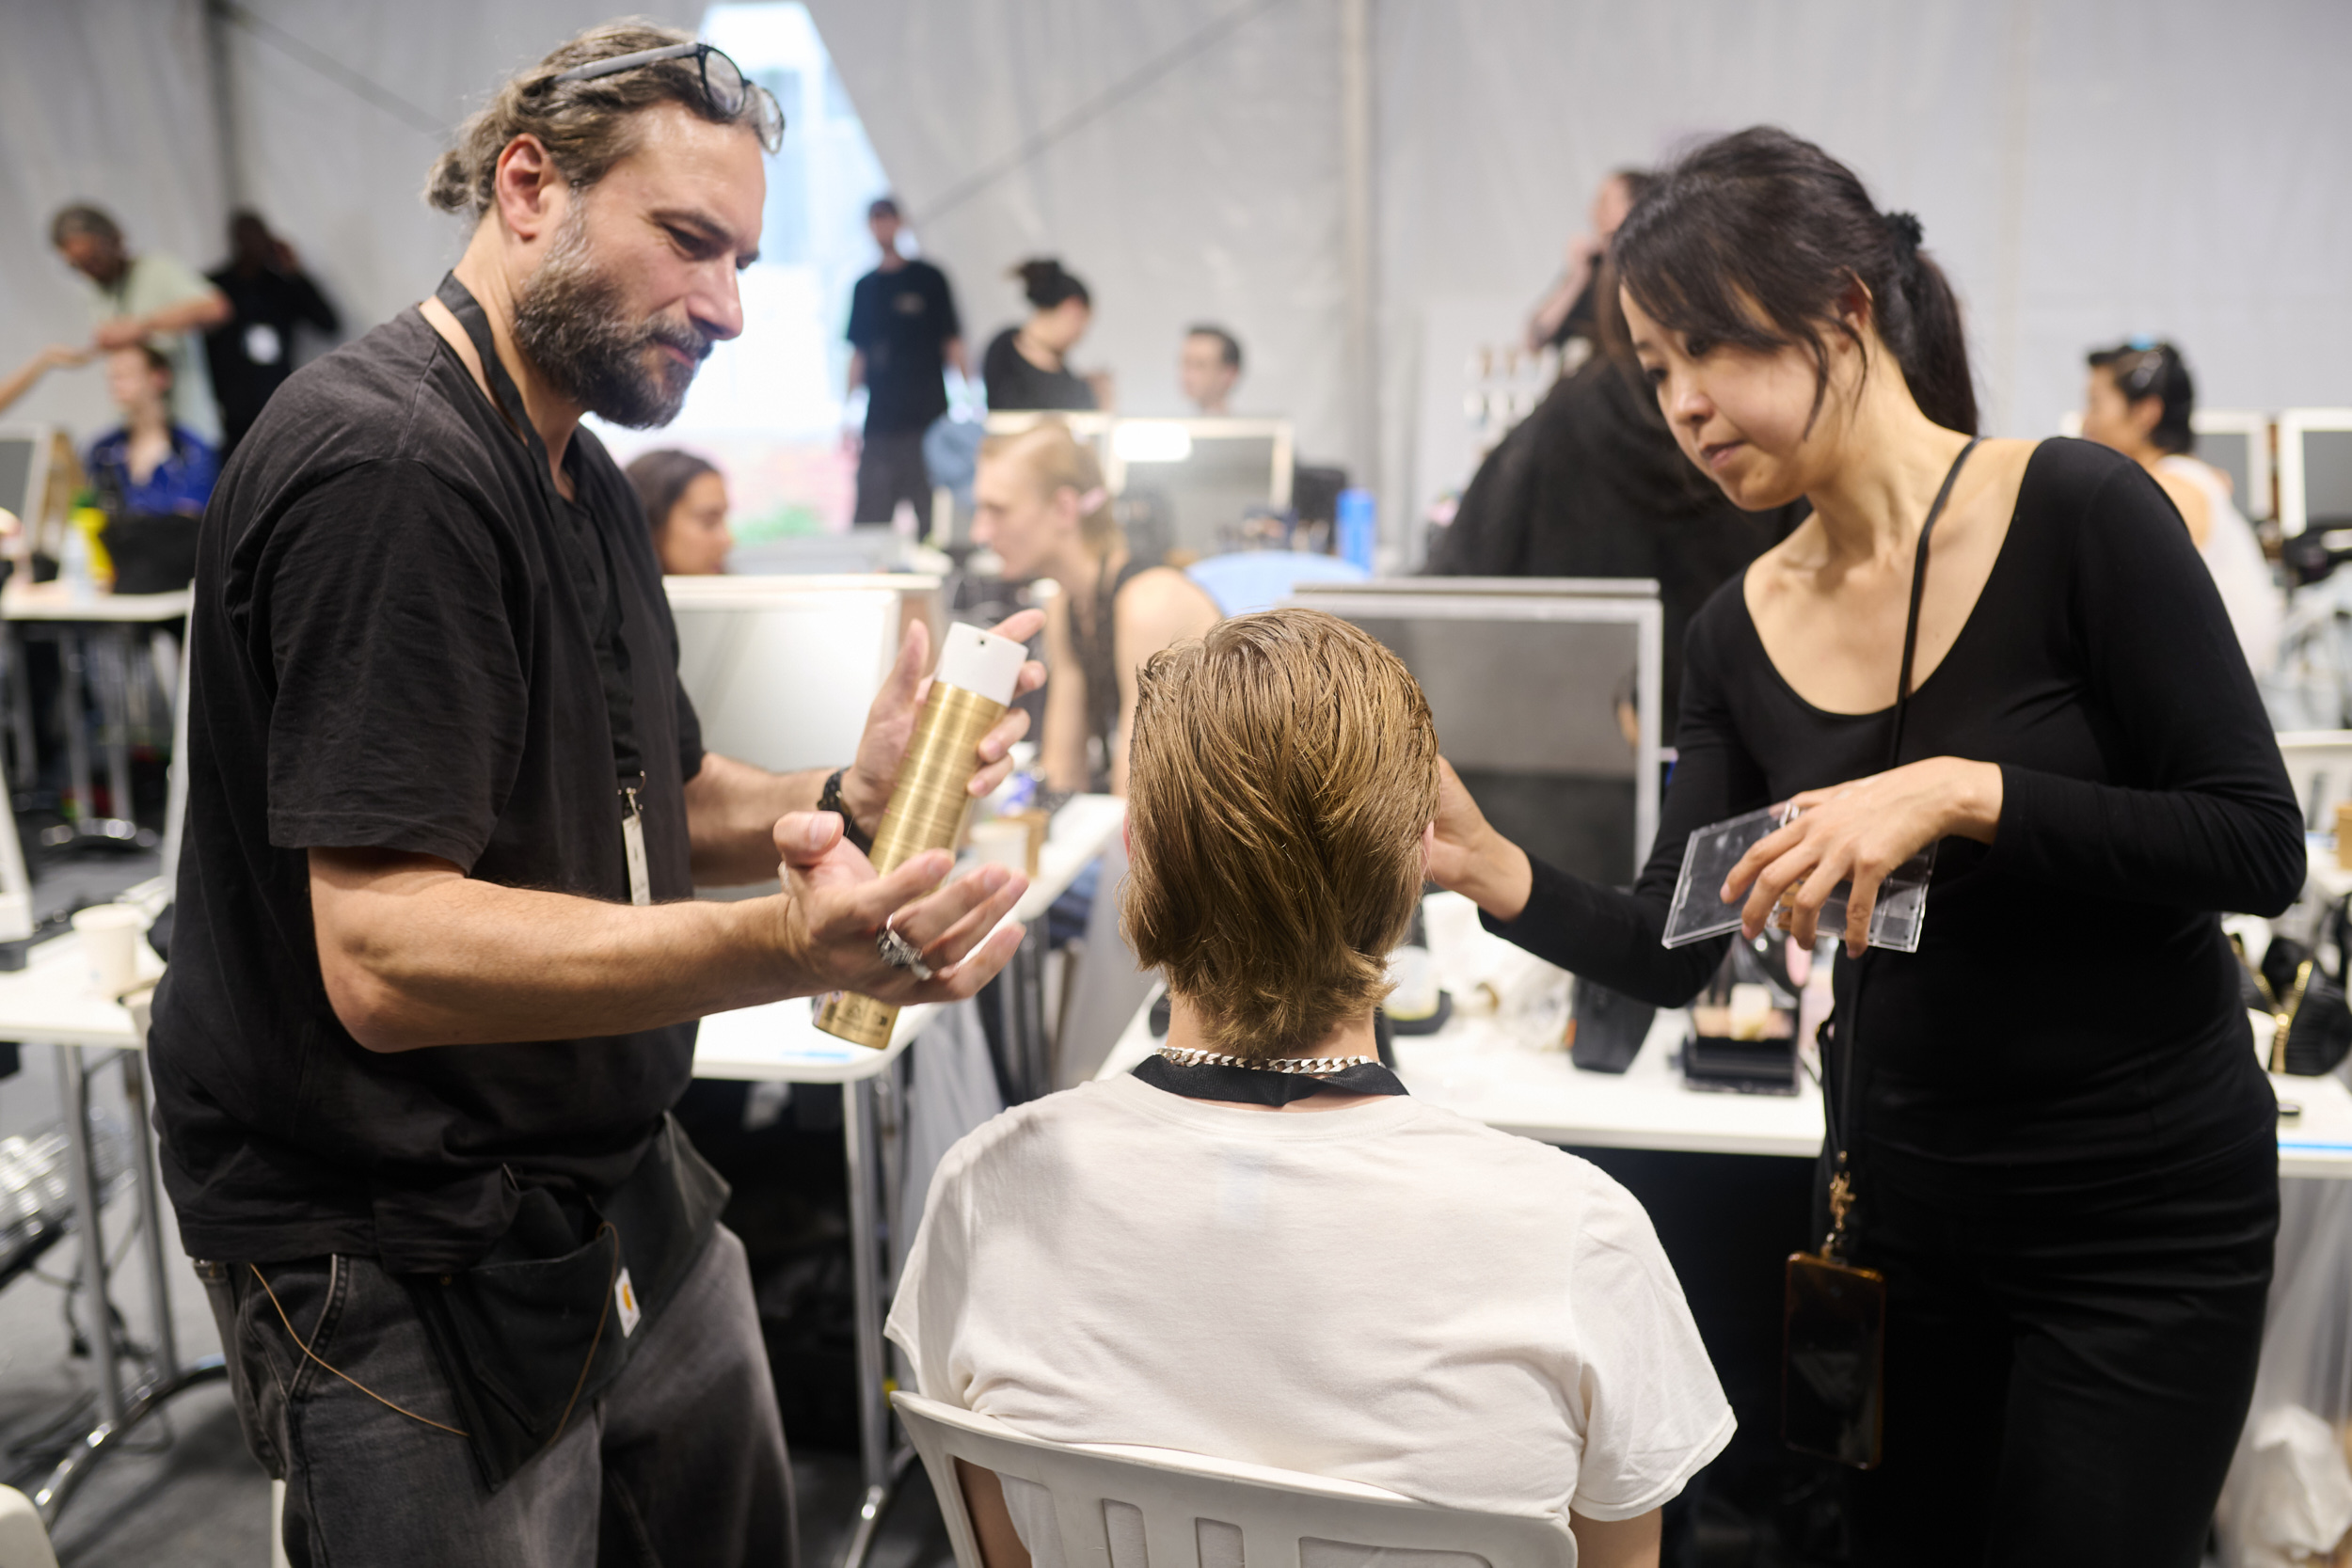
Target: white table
x,y
98,625
780,1042
1485,1071
50,1001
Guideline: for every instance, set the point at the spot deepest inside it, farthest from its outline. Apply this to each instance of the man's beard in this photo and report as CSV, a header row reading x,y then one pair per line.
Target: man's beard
x,y
569,322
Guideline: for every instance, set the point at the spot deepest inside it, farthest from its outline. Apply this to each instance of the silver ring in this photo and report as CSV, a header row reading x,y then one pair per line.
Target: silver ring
x,y
898,953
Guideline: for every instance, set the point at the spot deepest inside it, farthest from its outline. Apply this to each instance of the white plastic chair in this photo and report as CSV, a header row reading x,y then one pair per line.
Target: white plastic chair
x,y
23,1544
1156,1508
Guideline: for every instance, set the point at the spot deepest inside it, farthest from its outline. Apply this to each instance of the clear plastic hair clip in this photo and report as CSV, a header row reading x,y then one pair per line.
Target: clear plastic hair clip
x,y
1697,913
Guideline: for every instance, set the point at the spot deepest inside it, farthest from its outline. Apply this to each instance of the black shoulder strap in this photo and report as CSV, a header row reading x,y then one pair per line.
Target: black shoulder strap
x,y
1840,1107
611,637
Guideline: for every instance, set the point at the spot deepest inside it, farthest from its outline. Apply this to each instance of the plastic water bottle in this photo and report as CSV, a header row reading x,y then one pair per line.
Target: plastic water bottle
x,y
73,566
1359,527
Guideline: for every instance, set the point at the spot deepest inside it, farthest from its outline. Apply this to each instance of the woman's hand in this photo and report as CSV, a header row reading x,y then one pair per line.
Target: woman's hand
x,y
890,722
1860,832
1467,856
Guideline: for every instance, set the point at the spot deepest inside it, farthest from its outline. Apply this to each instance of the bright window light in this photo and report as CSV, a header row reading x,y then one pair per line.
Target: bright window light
x,y
1150,441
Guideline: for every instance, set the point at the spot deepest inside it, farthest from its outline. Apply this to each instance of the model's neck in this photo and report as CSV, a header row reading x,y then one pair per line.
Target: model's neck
x,y
1038,351
1892,461
1078,571
891,259
553,416
1351,1037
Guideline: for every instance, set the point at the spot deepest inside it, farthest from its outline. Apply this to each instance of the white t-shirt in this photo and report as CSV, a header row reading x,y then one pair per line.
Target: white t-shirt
x,y
1390,1294
2248,590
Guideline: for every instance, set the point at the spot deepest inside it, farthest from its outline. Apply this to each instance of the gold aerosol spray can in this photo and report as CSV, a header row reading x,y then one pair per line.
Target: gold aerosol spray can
x,y
970,691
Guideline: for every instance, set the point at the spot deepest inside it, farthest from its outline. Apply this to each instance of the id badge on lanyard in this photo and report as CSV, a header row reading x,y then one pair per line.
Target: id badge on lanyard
x,y
633,847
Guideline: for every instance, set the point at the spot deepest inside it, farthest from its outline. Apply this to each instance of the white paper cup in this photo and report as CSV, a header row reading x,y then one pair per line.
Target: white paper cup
x,y
1001,841
110,936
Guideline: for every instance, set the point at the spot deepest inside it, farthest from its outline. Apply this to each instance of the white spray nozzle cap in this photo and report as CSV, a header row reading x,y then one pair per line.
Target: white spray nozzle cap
x,y
979,662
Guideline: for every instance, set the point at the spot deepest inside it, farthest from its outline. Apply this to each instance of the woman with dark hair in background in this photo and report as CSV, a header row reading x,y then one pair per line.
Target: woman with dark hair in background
x,y
2139,401
2058,1149
686,505
1028,366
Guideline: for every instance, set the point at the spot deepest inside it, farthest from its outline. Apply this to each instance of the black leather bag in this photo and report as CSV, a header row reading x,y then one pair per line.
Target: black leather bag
x,y
1606,1028
2313,1021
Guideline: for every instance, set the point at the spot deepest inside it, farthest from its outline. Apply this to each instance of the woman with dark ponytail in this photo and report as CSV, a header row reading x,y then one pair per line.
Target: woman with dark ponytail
x,y
2057,1147
1028,366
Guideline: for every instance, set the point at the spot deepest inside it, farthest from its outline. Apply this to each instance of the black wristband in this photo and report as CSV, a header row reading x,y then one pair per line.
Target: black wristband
x,y
829,799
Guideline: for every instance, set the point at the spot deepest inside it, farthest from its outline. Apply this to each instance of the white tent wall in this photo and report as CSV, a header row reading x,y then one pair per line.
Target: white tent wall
x,y
108,102
2087,170
1208,193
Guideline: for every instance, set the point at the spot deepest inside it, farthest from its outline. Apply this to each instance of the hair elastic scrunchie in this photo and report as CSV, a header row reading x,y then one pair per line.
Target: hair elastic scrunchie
x,y
1905,228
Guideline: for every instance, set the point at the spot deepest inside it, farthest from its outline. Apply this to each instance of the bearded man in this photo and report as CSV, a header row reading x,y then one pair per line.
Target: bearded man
x,y
436,962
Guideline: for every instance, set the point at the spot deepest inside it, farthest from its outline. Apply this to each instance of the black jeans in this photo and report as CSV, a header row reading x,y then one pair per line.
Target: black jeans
x,y
680,1464
890,469
2066,1377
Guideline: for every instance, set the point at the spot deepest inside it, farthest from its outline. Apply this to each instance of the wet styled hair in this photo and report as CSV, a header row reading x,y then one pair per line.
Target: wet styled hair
x,y
587,126
1761,222
1227,346
1047,285
2142,370
1281,770
660,478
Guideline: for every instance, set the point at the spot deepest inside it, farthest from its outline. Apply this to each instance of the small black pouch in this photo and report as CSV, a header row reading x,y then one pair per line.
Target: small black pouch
x,y
534,1333
2313,1019
1832,1369
1606,1028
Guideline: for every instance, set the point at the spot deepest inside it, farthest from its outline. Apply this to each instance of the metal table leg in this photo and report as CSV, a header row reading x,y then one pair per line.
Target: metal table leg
x,y
71,694
118,1414
882,1469
73,1086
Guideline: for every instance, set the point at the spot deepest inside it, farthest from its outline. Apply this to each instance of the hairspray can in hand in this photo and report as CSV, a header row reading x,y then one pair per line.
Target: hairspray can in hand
x,y
970,691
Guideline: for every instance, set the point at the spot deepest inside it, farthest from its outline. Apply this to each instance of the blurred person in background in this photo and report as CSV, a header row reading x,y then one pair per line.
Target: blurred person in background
x,y
686,505
269,294
1209,367
1040,504
56,357
148,465
2138,400
150,298
904,332
1572,308
1028,366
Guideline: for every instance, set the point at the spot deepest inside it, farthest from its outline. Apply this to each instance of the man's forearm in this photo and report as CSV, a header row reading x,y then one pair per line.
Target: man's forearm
x,y
190,314
731,812
425,956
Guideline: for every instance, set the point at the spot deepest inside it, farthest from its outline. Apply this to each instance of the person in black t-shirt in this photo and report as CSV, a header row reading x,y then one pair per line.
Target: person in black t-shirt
x,y
269,294
1027,367
904,333
436,961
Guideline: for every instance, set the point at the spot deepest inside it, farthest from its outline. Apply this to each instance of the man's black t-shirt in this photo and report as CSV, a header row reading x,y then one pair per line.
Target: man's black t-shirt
x,y
1014,383
902,321
394,647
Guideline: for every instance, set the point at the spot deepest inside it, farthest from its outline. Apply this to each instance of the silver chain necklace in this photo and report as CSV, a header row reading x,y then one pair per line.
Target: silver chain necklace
x,y
1312,1066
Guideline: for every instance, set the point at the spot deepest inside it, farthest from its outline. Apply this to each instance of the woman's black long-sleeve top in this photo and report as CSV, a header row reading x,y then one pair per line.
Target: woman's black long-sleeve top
x,y
2073,1000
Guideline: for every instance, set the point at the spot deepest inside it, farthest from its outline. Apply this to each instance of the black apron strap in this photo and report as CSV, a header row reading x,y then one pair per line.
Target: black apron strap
x,y
611,636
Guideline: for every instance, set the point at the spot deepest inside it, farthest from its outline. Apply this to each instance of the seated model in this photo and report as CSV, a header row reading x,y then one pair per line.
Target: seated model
x,y
1039,503
1306,1270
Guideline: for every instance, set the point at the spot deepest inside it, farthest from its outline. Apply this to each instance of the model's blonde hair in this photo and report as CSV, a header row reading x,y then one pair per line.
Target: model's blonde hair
x,y
1055,459
1281,770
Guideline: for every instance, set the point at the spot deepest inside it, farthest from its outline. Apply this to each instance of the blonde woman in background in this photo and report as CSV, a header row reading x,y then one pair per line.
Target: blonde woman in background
x,y
1040,504
2139,402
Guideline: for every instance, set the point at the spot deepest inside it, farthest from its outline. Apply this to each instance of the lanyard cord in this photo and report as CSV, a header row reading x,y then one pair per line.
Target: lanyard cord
x,y
611,643
1841,1106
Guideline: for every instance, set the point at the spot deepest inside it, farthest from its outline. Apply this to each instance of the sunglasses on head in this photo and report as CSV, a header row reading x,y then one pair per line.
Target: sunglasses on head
x,y
724,88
